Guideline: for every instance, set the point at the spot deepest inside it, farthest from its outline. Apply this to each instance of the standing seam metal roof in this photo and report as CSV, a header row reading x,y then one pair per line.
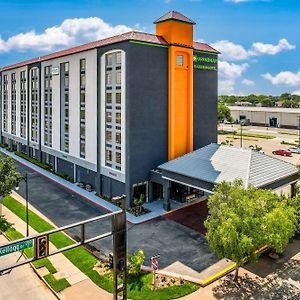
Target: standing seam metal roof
x,y
216,163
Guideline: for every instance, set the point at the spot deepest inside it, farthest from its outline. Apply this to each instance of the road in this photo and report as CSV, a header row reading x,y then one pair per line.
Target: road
x,y
22,282
175,242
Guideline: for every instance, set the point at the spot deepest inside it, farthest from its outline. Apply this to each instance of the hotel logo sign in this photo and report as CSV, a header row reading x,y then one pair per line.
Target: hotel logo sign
x,y
205,63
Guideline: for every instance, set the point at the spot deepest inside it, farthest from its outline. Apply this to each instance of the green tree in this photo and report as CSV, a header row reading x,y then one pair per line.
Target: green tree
x,y
9,176
224,113
242,220
135,262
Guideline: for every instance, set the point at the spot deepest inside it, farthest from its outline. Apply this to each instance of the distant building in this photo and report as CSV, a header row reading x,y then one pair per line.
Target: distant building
x,y
267,116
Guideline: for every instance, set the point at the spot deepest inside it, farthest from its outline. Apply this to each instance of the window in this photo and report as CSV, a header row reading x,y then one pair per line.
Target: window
x,y
66,67
109,59
108,79
118,98
66,81
118,57
179,60
82,80
82,64
108,136
108,97
118,157
118,77
118,137
108,155
108,117
118,118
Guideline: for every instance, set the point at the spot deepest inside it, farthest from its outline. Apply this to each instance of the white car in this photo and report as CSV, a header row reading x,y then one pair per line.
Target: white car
x,y
294,149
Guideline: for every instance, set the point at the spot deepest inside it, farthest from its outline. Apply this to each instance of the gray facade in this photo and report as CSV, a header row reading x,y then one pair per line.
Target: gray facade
x,y
205,104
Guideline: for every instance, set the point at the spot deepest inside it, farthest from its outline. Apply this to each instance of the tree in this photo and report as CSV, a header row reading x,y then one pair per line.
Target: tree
x,y
224,113
136,261
9,176
242,220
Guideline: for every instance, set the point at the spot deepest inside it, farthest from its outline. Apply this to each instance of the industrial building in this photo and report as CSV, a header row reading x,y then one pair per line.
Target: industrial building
x,y
109,112
267,116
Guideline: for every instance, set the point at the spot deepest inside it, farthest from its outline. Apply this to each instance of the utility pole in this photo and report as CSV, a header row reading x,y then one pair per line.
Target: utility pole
x,y
241,135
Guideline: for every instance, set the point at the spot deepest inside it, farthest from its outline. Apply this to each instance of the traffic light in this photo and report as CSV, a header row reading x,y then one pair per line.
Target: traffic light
x,y
111,260
41,246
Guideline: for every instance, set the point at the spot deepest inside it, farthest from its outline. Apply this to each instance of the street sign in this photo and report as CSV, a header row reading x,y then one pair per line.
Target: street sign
x,y
154,264
16,247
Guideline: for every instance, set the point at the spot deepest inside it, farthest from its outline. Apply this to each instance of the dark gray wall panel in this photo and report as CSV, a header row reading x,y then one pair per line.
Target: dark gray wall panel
x,y
86,176
65,167
205,106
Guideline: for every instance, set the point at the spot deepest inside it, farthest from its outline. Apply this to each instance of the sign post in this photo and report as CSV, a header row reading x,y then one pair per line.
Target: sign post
x,y
154,266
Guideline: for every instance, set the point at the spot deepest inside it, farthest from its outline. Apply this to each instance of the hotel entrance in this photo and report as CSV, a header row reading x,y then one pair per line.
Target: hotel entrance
x,y
182,193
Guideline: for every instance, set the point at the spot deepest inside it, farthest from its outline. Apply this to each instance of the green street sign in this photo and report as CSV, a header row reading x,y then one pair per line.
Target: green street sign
x,y
16,247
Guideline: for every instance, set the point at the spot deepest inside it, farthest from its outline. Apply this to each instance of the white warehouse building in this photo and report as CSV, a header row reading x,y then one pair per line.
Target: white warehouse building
x,y
267,116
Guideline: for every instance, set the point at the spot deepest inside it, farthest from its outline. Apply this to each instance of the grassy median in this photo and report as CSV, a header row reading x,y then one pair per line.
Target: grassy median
x,y
139,287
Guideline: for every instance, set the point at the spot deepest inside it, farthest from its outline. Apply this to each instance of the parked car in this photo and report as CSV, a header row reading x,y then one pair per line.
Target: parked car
x,y
294,149
282,152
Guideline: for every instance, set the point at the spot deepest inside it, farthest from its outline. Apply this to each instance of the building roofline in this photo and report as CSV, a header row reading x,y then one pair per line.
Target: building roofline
x,y
128,36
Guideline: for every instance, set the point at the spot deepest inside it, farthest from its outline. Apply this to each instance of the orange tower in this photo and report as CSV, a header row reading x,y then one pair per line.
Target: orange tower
x,y
177,30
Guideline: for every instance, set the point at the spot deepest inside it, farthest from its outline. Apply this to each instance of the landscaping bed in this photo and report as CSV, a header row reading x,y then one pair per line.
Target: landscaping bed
x,y
139,287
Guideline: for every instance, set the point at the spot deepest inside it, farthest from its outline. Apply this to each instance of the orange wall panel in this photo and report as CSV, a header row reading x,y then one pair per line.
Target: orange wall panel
x,y
180,102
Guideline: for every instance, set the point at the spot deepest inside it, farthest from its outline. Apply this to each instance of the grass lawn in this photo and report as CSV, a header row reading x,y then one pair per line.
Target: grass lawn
x,y
245,134
138,287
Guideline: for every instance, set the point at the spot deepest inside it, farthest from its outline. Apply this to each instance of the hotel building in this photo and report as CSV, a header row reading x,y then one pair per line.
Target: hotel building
x,y
109,112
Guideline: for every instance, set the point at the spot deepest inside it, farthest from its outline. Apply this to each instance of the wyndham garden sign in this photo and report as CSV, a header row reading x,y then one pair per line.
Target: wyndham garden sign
x,y
209,63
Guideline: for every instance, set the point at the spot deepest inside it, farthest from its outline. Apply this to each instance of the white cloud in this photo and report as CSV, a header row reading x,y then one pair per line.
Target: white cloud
x,y
284,78
296,93
230,70
261,48
233,52
248,82
69,33
228,73
226,87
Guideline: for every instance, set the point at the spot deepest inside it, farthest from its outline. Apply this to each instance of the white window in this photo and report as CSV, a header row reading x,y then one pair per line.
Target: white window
x,y
179,60
118,57
108,79
118,77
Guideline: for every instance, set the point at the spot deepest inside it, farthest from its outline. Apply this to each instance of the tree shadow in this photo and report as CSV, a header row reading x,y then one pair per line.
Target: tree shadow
x,y
266,265
270,288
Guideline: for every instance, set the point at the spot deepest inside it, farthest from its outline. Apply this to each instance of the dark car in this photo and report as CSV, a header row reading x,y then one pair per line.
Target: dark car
x,y
282,152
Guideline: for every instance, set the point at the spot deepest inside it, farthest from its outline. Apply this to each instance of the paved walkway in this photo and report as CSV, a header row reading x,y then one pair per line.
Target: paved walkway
x,y
65,269
22,282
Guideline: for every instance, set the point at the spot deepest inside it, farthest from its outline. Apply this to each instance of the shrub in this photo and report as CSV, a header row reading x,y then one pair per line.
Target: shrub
x,y
135,261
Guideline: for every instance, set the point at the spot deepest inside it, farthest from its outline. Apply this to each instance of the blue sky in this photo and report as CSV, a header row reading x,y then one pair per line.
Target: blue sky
x,y
259,40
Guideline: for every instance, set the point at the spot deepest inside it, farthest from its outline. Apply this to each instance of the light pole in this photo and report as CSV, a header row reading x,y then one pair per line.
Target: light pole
x,y
298,131
241,134
25,178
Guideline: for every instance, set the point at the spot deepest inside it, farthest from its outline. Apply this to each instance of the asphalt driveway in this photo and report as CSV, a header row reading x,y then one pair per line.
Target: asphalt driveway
x,y
174,241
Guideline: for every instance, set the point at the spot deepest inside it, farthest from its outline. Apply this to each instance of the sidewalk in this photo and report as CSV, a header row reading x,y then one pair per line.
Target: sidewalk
x,y
156,212
65,269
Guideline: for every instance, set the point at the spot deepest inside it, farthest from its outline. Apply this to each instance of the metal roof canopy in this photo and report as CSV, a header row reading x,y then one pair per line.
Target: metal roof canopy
x,y
212,164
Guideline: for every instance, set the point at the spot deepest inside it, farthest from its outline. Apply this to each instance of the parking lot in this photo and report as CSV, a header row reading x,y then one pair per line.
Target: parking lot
x,y
268,145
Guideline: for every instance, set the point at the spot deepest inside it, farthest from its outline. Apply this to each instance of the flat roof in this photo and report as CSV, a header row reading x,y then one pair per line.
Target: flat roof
x,y
265,109
215,163
129,36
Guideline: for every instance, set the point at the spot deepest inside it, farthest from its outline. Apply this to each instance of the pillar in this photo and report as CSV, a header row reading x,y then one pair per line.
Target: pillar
x,y
167,204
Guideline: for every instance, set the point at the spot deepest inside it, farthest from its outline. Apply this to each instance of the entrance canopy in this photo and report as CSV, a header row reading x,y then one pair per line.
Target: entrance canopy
x,y
215,163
